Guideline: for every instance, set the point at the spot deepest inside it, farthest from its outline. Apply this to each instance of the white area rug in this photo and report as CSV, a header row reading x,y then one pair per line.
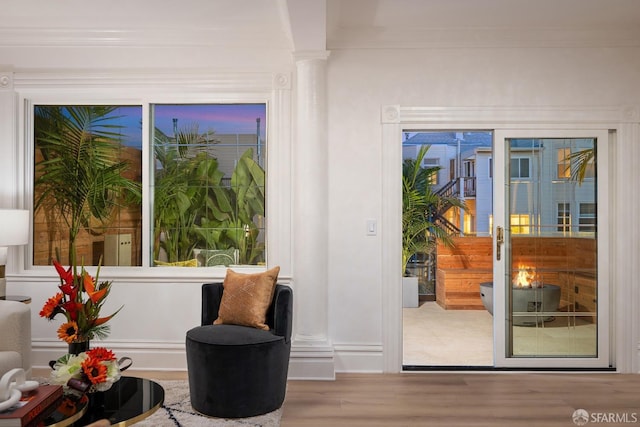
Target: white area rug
x,y
177,412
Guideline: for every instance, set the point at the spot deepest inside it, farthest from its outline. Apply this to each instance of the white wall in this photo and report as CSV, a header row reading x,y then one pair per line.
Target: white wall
x,y
362,81
159,310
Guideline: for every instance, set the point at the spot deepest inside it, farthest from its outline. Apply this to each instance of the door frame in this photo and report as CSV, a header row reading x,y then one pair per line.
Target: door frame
x,y
625,121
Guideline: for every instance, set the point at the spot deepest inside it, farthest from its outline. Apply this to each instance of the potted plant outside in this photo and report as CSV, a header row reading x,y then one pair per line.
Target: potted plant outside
x,y
419,230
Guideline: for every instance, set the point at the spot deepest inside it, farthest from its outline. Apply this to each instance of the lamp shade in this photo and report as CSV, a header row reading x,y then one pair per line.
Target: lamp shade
x,y
14,227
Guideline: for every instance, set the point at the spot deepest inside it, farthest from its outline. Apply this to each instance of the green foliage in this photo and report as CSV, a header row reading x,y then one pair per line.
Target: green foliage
x,y
195,208
79,178
419,202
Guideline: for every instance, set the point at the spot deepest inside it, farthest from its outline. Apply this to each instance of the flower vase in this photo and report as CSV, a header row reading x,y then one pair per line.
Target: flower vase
x,y
78,347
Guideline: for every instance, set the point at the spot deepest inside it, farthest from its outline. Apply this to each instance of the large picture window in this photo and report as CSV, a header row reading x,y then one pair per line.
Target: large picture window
x,y
206,184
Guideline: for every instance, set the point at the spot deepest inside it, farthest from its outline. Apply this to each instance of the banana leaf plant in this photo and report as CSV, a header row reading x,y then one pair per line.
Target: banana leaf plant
x,y
231,222
195,207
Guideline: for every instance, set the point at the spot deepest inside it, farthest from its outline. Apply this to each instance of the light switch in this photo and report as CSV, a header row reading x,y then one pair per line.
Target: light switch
x,y
372,227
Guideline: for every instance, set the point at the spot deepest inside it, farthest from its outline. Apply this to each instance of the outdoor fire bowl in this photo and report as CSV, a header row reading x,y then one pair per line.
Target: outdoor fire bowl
x,y
542,299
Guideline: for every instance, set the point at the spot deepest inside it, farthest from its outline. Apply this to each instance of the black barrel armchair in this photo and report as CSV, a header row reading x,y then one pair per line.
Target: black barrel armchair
x,y
239,371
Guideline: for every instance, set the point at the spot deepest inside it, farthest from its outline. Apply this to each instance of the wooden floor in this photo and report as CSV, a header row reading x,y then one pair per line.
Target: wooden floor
x,y
455,399
463,399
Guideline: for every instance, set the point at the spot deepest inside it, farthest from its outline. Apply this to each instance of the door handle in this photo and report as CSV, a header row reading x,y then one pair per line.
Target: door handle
x,y
499,241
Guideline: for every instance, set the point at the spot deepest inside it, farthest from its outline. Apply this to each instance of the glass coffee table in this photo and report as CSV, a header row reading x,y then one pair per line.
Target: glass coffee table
x,y
128,401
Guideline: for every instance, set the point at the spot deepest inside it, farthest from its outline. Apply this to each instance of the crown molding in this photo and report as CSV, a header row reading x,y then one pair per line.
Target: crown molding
x,y
154,79
596,115
254,38
464,37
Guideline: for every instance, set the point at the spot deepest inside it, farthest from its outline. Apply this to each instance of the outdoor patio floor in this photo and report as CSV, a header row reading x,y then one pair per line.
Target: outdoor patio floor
x,y
433,336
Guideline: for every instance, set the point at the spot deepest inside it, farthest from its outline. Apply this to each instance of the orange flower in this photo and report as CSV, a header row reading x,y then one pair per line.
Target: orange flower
x,y
99,321
90,289
68,332
95,371
80,301
51,307
101,354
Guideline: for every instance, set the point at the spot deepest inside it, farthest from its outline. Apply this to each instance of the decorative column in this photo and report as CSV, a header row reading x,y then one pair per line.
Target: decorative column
x,y
310,213
7,140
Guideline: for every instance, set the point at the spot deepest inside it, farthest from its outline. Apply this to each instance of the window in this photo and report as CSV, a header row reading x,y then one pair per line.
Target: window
x,y
520,224
564,217
520,168
571,163
209,186
434,165
469,169
87,184
490,167
207,183
564,163
587,219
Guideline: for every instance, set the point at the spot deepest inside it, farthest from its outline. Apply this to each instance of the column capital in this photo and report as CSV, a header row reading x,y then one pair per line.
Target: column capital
x,y
309,55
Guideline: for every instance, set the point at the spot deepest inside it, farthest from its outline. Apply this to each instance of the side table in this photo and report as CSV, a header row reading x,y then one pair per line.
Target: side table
x,y
128,401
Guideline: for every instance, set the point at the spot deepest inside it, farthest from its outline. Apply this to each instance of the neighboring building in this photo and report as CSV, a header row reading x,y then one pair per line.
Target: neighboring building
x,y
544,198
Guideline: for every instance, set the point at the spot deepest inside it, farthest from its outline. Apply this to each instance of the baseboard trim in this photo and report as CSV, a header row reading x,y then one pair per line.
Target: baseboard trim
x,y
312,363
420,368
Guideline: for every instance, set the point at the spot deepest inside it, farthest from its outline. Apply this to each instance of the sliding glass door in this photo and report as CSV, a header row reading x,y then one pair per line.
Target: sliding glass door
x,y
549,228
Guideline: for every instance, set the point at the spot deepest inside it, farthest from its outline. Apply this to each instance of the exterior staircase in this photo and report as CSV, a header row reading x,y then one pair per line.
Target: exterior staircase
x,y
450,189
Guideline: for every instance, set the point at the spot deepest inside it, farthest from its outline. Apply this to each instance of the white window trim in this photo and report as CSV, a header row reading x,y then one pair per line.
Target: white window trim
x,y
273,89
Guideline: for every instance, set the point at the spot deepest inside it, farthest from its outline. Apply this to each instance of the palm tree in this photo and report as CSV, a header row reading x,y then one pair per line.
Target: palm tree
x,y
419,231
80,177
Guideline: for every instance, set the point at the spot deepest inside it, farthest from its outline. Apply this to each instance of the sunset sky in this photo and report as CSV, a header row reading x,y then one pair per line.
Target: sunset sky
x,y
221,118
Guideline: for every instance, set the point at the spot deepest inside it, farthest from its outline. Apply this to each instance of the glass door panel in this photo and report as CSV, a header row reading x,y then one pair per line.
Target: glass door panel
x,y
553,298
553,247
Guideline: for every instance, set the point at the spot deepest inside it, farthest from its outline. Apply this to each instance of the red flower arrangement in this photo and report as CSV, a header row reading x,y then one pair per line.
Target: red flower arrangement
x,y
80,299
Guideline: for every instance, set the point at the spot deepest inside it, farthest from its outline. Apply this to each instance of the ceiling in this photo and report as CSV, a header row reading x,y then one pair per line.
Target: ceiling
x,y
320,24
424,23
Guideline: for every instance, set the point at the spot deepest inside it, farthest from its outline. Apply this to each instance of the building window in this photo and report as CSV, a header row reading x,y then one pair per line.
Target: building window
x,y
206,180
490,167
469,169
564,217
570,163
564,163
520,168
520,224
587,219
434,165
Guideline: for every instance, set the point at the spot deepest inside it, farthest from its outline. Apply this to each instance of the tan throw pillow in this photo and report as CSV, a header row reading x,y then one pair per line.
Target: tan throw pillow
x,y
246,298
